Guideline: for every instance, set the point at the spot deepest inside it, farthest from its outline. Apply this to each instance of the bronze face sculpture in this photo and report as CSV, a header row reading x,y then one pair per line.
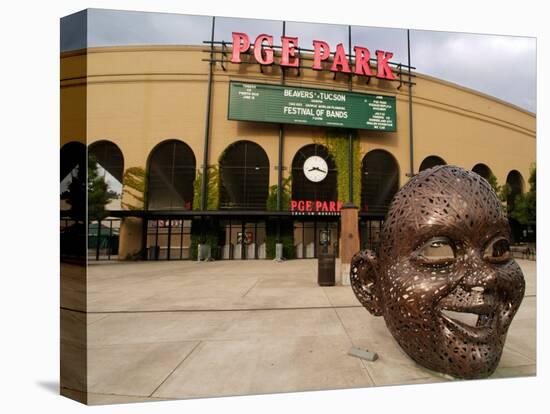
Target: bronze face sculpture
x,y
444,257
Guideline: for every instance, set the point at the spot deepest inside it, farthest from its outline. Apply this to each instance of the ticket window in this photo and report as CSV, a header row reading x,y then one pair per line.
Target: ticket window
x,y
304,239
370,230
244,240
168,239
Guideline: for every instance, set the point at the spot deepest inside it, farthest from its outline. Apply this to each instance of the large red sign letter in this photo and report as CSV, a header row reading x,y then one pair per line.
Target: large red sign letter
x,y
384,71
264,56
340,59
321,52
288,44
241,44
362,57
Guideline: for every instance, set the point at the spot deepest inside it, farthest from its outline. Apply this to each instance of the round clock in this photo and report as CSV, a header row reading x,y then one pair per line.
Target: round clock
x,y
315,169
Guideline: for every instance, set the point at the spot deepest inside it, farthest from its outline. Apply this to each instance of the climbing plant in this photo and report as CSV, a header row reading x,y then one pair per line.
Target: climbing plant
x,y
337,143
211,237
206,226
134,181
213,189
287,239
286,195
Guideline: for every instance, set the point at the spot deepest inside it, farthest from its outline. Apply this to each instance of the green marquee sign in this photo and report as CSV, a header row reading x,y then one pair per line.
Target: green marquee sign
x,y
308,106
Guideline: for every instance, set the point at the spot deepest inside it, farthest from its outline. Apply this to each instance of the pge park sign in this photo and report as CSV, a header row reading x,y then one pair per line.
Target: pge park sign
x,y
308,106
263,51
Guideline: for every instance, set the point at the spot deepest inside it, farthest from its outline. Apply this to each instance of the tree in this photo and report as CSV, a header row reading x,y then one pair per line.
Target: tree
x,y
285,195
99,194
525,208
75,195
502,191
492,180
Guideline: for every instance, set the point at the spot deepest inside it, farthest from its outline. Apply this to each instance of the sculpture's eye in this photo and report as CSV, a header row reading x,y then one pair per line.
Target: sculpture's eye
x,y
438,251
498,251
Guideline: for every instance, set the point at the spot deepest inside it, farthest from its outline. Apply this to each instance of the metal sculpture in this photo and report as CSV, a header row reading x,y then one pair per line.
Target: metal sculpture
x,y
444,258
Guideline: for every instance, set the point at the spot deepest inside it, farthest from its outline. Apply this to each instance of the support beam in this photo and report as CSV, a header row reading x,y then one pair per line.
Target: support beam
x,y
411,136
204,201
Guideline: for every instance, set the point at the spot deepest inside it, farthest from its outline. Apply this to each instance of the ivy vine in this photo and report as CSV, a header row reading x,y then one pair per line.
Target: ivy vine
x,y
134,182
286,195
337,144
213,189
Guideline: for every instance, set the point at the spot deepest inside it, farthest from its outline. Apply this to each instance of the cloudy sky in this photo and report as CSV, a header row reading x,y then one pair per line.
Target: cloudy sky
x,y
501,66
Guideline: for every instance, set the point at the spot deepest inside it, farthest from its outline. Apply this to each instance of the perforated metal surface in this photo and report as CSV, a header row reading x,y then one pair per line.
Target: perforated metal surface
x,y
444,259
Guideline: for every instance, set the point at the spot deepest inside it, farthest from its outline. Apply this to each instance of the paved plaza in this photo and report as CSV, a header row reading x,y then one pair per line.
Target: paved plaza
x,y
170,330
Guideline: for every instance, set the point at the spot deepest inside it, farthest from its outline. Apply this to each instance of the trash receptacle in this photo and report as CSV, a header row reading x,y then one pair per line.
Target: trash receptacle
x,y
153,253
326,270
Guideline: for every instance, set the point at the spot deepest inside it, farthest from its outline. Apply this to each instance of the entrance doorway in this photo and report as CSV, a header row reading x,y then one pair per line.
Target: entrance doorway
x,y
310,237
168,239
103,239
243,239
369,233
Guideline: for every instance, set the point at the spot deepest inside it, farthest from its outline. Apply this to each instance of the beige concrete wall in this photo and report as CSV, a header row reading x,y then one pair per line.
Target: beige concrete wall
x,y
138,97
465,128
73,97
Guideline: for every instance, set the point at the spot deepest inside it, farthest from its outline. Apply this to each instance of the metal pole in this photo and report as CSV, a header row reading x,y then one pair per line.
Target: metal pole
x,y
411,140
98,243
350,133
280,160
110,238
204,201
169,239
144,230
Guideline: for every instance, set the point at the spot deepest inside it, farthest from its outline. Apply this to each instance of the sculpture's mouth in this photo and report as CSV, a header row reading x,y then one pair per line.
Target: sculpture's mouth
x,y
476,323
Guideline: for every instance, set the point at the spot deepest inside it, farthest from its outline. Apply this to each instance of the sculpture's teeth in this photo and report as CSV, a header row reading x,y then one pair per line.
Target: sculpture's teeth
x,y
468,318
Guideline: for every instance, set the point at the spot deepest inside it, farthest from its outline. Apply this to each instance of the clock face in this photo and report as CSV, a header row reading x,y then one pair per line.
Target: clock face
x,y
315,169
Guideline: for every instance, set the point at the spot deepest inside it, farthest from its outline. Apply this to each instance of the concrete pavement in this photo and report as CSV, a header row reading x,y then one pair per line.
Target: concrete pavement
x,y
165,330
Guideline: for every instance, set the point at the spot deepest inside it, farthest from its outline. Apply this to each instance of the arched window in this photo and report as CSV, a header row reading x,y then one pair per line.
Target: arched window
x,y
72,167
515,181
73,155
109,157
302,187
170,176
482,170
379,182
110,163
244,174
72,177
431,161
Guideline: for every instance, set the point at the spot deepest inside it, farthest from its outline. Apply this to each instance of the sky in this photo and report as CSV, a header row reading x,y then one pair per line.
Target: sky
x,y
500,66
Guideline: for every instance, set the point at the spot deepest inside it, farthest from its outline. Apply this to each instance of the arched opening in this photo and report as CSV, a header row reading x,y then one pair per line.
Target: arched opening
x,y
72,177
244,174
305,189
515,182
109,157
170,176
103,234
431,161
483,170
379,182
72,157
312,233
110,165
244,185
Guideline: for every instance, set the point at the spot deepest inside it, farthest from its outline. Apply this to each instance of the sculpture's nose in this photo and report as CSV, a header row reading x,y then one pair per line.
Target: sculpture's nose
x,y
479,275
